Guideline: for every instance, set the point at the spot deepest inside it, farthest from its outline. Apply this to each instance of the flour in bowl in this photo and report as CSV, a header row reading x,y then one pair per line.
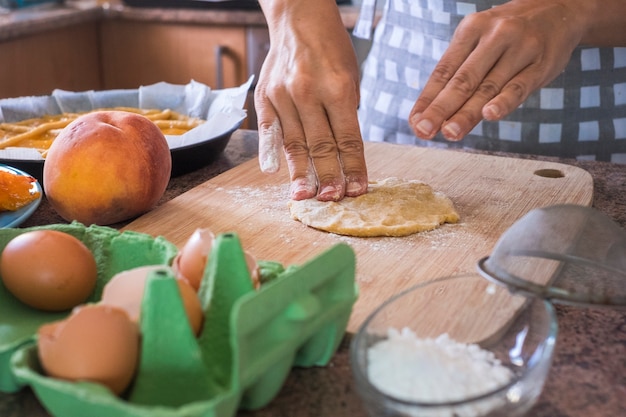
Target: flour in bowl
x,y
435,371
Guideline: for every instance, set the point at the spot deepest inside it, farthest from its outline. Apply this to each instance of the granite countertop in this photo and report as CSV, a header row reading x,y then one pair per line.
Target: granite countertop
x,y
588,377
48,16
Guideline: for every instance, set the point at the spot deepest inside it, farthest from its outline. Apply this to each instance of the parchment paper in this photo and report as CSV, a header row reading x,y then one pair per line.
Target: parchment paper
x,y
222,109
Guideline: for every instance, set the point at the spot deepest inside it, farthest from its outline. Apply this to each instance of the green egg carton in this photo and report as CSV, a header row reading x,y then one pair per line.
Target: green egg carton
x,y
113,251
250,340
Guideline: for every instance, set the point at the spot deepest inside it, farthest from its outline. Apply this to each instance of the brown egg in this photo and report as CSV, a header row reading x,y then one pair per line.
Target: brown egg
x,y
190,262
96,343
48,269
125,290
253,268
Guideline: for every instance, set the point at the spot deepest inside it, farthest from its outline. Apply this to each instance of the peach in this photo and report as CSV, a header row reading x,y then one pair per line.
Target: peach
x,y
107,167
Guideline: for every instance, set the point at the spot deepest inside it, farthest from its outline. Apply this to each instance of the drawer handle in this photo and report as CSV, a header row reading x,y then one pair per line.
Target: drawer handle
x,y
220,51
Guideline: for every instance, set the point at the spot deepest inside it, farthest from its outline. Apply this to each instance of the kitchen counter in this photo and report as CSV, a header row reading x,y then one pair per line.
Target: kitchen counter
x,y
48,16
588,377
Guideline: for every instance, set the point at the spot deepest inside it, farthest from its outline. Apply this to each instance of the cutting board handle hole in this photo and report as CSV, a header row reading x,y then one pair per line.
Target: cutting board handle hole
x,y
549,173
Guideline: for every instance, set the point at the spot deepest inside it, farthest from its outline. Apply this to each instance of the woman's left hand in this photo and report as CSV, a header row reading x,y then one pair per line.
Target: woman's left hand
x,y
495,60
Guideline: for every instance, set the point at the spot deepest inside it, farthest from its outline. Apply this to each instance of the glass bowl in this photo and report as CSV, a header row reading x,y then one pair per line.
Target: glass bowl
x,y
457,346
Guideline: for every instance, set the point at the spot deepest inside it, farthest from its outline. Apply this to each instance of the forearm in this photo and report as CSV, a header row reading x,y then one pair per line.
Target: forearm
x,y
608,24
602,22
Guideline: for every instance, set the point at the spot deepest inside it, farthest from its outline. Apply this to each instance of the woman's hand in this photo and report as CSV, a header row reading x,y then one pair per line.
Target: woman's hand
x,y
498,57
306,101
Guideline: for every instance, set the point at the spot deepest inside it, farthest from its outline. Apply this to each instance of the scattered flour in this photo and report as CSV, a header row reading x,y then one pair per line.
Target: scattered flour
x,y
271,200
435,371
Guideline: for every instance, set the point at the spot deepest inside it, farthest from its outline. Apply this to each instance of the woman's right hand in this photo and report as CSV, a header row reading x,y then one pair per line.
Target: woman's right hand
x,y
306,101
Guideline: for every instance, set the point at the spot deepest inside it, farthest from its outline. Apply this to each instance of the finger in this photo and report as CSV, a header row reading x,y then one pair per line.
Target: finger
x,y
279,124
346,131
304,185
323,151
302,173
459,49
445,101
270,144
270,135
464,42
517,90
472,112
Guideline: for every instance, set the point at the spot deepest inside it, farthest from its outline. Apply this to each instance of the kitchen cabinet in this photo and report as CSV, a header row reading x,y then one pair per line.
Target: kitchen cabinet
x,y
127,48
65,58
137,53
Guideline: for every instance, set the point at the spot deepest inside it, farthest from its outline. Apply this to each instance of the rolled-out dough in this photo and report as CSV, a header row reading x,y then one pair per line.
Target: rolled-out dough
x,y
391,207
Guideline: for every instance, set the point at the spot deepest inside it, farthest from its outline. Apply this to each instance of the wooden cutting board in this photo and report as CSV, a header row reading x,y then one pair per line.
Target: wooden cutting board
x,y
489,192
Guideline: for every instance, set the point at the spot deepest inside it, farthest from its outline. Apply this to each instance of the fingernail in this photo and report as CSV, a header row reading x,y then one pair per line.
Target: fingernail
x,y
451,131
329,193
424,128
301,190
354,188
491,112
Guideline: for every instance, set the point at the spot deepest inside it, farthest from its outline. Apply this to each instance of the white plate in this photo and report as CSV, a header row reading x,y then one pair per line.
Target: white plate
x,y
17,217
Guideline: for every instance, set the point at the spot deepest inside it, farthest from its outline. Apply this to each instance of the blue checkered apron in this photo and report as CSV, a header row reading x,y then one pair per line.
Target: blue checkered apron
x,y
581,114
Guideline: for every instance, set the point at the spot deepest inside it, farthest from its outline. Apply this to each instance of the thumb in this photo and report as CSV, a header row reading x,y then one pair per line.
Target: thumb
x,y
270,136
